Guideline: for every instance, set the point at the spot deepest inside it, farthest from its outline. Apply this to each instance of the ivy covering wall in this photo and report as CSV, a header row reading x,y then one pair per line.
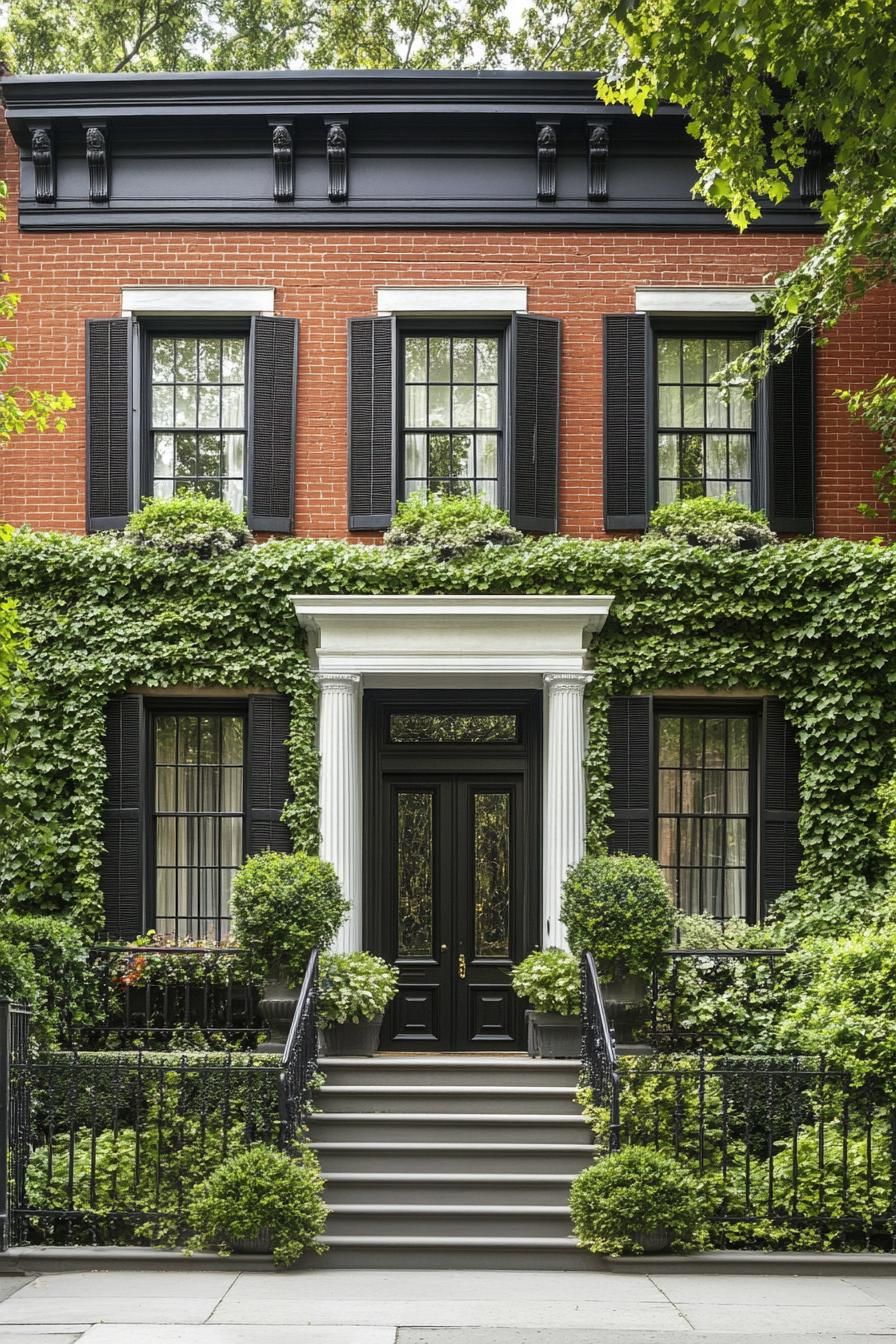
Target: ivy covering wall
x,y
811,622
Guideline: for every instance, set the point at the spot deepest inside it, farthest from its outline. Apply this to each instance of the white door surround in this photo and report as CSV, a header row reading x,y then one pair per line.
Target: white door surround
x,y
445,641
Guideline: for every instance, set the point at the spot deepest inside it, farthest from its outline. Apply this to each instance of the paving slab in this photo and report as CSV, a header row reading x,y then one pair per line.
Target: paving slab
x,y
40,1335
137,1284
490,1312
771,1290
815,1322
879,1290
47,1309
343,1285
239,1334
463,1336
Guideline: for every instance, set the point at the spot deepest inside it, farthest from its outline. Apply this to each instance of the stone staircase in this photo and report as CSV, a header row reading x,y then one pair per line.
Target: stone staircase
x,y
439,1161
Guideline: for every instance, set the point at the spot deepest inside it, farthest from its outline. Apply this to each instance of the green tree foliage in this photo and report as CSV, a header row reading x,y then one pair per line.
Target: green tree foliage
x,y
761,82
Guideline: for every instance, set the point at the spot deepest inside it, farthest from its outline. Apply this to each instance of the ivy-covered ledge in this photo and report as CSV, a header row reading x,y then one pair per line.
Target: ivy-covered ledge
x,y
813,622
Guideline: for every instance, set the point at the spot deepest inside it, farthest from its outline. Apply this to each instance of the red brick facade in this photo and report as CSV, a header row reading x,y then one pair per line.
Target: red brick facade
x,y
325,278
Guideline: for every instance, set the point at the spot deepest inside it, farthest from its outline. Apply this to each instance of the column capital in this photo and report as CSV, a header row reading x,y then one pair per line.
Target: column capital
x,y
338,683
567,683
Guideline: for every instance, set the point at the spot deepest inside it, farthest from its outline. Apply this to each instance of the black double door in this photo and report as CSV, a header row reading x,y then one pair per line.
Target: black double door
x,y
452,876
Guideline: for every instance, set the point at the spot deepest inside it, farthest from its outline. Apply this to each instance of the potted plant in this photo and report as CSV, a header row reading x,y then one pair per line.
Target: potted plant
x,y
355,988
617,907
261,1201
283,906
550,981
638,1201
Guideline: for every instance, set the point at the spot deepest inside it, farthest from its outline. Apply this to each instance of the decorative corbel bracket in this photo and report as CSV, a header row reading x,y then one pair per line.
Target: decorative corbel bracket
x,y
282,154
598,156
337,161
97,147
810,176
546,151
43,162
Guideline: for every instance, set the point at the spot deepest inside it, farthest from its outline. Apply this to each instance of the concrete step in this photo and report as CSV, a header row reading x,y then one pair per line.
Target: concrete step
x,y
446,1098
452,1070
381,1157
448,1220
443,1127
524,1253
461,1187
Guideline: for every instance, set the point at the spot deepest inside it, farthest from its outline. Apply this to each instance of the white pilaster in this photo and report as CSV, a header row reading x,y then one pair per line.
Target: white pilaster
x,y
564,792
340,793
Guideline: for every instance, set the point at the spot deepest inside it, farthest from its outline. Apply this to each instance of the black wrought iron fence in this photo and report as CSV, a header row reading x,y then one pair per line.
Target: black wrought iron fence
x,y
688,996
299,1063
14,1046
792,1155
599,1060
156,997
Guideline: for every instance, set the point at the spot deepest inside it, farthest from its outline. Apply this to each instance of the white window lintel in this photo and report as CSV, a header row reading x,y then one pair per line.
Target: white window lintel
x,y
197,301
443,301
699,300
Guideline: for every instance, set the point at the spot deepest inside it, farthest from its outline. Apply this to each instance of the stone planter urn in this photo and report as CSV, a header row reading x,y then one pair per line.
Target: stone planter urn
x,y
554,1035
653,1240
351,1038
625,999
277,1007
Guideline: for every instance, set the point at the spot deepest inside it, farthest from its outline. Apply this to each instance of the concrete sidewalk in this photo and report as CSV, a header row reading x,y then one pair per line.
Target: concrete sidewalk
x,y
315,1306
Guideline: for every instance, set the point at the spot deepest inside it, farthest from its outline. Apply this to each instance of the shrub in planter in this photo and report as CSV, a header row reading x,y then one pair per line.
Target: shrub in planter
x,y
259,1196
189,524
550,981
283,906
714,524
355,988
451,524
638,1200
617,907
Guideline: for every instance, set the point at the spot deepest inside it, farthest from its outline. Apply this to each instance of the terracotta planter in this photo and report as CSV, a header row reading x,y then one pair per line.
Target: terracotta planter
x,y
554,1035
351,1038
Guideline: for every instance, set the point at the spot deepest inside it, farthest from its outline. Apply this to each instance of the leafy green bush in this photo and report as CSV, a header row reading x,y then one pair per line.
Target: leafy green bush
x,y
712,523
630,1194
191,523
261,1190
283,906
44,963
617,907
550,981
844,1010
354,987
450,524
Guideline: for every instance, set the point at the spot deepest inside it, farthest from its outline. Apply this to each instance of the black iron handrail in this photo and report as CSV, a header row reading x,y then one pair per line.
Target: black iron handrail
x,y
298,1065
599,1049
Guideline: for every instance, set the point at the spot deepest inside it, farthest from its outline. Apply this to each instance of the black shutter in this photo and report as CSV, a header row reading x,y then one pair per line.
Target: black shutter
x,y
268,784
631,774
625,423
109,423
371,422
121,866
535,423
274,347
791,467
780,852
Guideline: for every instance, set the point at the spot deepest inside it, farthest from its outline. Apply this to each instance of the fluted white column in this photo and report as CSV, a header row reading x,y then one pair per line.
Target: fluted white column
x,y
339,741
564,792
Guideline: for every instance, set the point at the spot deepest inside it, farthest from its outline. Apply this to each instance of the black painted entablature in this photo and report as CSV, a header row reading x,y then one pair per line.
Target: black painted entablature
x,y
449,149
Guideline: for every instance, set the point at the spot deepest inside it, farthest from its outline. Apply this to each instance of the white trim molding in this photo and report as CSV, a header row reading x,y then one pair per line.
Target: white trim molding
x,y
475,641
423,301
197,301
699,300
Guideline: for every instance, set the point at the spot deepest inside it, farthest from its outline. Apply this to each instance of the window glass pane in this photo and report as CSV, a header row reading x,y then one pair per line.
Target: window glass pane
x,y
234,449
414,870
668,359
208,458
670,406
693,407
491,870
206,833
210,407
163,454
233,360
703,824
185,405
209,361
185,355
185,454
692,360
451,384
740,410
162,359
163,406
232,407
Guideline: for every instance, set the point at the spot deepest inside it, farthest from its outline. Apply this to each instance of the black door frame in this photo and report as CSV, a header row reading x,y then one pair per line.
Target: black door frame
x,y
522,759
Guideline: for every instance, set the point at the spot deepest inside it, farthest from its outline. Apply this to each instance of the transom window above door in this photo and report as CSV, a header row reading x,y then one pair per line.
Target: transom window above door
x,y
705,441
452,420
198,415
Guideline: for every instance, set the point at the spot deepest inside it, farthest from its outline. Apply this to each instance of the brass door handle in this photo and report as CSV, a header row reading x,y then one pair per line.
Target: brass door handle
x,y
444,947
462,967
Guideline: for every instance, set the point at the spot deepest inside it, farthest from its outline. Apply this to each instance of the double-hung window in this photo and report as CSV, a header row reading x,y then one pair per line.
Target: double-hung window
x,y
197,414
452,412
